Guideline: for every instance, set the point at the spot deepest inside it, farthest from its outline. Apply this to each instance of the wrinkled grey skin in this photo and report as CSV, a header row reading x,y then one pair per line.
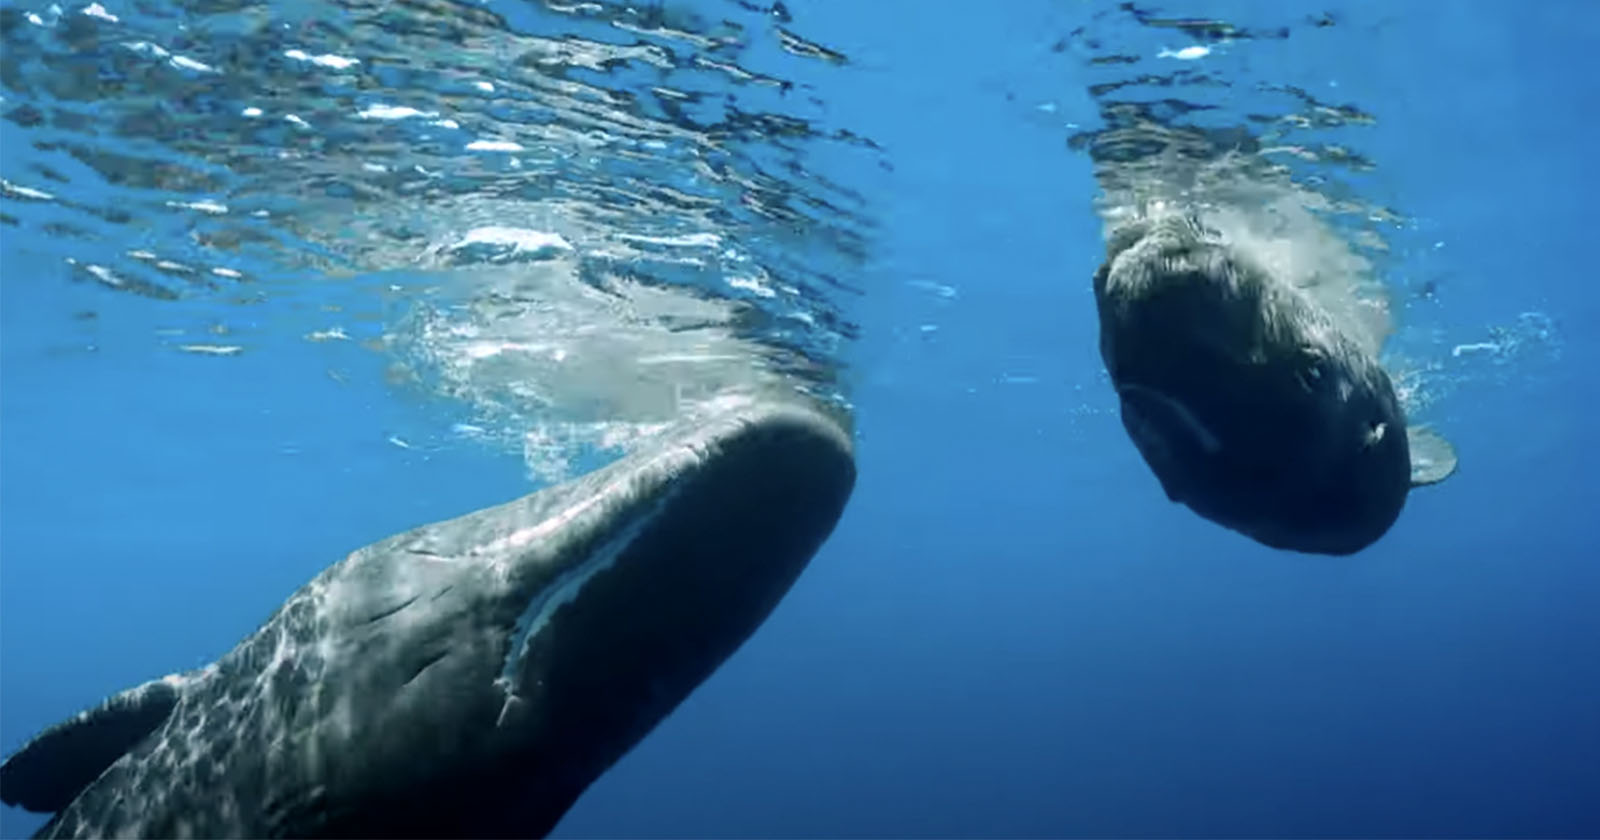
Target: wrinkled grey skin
x,y
471,677
1248,402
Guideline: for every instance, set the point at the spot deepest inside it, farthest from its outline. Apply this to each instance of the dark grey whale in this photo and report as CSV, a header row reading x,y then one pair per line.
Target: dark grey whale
x,y
470,677
1252,403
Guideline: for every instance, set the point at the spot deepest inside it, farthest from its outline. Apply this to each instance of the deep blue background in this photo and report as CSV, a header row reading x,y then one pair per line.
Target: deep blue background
x,y
1011,632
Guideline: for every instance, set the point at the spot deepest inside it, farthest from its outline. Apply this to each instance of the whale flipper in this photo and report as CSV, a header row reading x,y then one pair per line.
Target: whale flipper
x,y
53,768
1433,459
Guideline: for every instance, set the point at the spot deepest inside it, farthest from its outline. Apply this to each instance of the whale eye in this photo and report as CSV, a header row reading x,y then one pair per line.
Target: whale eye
x,y
1375,432
1312,376
1313,372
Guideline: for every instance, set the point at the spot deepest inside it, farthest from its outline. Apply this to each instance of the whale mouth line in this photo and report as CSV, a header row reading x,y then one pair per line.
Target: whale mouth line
x,y
696,540
564,589
1197,430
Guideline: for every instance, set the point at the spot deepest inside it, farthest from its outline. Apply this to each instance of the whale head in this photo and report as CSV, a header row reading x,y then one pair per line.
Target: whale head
x,y
1247,402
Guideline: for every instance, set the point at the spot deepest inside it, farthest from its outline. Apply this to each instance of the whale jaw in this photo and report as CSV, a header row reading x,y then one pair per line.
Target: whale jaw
x,y
705,565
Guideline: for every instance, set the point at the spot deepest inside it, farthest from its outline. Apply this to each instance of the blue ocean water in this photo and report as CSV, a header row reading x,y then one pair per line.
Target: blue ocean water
x,y
1011,632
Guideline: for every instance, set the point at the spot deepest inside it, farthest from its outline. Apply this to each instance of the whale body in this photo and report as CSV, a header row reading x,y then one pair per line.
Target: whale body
x,y
470,677
1252,404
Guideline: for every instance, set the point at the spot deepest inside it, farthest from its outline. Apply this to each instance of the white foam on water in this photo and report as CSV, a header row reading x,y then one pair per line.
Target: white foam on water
x,y
392,112
337,62
494,146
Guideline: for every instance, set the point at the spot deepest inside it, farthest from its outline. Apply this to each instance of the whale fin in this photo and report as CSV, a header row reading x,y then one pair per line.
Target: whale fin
x,y
53,768
1433,459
